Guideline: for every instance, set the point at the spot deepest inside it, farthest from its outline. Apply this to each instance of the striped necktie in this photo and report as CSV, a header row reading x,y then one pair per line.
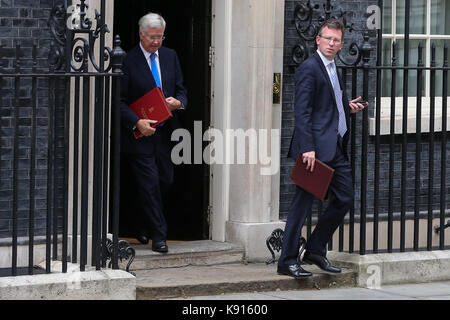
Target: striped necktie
x,y
342,125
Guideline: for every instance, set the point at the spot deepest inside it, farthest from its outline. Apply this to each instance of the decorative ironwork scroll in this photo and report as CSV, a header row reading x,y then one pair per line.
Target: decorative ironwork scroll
x,y
125,252
438,229
57,25
307,26
275,242
73,22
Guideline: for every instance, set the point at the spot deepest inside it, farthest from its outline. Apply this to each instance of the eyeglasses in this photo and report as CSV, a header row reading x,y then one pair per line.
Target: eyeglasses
x,y
329,39
154,38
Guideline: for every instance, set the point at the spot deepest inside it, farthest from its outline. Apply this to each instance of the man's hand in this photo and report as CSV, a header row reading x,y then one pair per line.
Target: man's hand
x,y
173,103
355,106
310,158
145,127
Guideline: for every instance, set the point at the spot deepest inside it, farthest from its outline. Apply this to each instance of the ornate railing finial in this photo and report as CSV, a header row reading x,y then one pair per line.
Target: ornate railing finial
x,y
366,48
117,55
85,23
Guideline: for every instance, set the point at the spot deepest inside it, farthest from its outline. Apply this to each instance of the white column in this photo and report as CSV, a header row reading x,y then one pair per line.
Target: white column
x,y
220,113
255,54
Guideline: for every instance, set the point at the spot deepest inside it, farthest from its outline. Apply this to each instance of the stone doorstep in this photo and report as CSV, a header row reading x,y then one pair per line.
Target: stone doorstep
x,y
368,271
374,270
181,254
230,278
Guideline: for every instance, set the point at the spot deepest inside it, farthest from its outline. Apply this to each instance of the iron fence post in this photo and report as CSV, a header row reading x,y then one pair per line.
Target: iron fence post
x,y
366,48
117,57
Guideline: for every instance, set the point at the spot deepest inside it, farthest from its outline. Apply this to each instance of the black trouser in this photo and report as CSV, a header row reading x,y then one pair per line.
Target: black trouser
x,y
342,188
148,219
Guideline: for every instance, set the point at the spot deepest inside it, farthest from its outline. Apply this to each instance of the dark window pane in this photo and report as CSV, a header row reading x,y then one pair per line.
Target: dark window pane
x,y
417,18
440,17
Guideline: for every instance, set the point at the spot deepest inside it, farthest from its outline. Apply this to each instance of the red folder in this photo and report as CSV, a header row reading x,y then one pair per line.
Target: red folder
x,y
316,182
151,106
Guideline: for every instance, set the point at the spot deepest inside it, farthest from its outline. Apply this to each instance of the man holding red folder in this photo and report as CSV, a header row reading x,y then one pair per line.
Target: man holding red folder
x,y
322,113
146,166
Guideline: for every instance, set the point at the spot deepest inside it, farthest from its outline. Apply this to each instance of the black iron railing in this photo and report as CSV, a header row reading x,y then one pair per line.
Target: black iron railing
x,y
394,173
78,81
416,139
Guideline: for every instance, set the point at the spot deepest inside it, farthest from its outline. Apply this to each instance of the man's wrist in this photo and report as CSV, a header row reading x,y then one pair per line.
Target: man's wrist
x,y
136,124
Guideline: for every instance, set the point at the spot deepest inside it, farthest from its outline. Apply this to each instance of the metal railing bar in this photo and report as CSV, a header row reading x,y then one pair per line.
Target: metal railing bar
x,y
418,149
32,166
431,150
443,150
15,125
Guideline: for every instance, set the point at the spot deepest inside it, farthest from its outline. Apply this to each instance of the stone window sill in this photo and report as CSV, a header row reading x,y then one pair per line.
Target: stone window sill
x,y
385,120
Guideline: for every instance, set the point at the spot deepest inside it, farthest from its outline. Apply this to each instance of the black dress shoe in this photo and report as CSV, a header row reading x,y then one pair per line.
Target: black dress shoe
x,y
293,270
321,262
142,239
160,246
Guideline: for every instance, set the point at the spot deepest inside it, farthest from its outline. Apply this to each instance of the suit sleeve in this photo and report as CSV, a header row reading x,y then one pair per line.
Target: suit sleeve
x,y
127,116
180,90
304,104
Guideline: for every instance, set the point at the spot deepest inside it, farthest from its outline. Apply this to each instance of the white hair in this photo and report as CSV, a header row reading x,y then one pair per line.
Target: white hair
x,y
152,20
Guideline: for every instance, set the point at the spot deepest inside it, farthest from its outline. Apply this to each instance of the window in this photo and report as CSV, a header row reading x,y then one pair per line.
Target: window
x,y
430,25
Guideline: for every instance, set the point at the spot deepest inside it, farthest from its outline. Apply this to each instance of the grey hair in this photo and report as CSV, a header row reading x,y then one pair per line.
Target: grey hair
x,y
152,20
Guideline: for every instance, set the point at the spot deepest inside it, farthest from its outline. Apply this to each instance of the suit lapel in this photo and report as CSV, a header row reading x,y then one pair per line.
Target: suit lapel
x,y
145,69
327,77
325,74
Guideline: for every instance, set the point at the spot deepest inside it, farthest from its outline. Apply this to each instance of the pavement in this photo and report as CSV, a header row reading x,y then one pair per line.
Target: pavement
x,y
406,300
421,291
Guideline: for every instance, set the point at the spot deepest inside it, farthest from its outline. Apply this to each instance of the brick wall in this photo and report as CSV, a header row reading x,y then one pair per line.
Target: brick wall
x,y
287,188
25,22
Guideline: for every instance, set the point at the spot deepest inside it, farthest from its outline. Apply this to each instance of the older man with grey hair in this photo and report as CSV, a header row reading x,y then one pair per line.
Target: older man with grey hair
x,y
146,163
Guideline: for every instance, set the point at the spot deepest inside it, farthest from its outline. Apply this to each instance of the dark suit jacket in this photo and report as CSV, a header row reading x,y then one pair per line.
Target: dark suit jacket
x,y
316,114
136,82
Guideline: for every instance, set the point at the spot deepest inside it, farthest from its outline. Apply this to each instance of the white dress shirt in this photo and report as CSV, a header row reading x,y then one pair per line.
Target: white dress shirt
x,y
326,62
149,62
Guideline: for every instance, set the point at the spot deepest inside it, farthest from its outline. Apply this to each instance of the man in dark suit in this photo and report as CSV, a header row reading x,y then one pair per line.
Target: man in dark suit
x,y
147,160
322,113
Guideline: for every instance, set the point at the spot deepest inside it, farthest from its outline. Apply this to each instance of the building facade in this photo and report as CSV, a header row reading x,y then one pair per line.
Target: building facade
x,y
231,53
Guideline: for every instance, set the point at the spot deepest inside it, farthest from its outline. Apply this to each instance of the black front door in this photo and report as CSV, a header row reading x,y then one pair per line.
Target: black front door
x,y
188,31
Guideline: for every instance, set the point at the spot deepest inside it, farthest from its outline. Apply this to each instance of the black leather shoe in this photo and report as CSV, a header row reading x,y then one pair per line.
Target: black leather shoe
x,y
293,270
142,239
321,262
160,246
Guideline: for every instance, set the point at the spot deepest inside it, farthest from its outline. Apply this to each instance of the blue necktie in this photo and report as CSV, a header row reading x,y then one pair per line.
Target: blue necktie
x,y
342,125
155,73
155,70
